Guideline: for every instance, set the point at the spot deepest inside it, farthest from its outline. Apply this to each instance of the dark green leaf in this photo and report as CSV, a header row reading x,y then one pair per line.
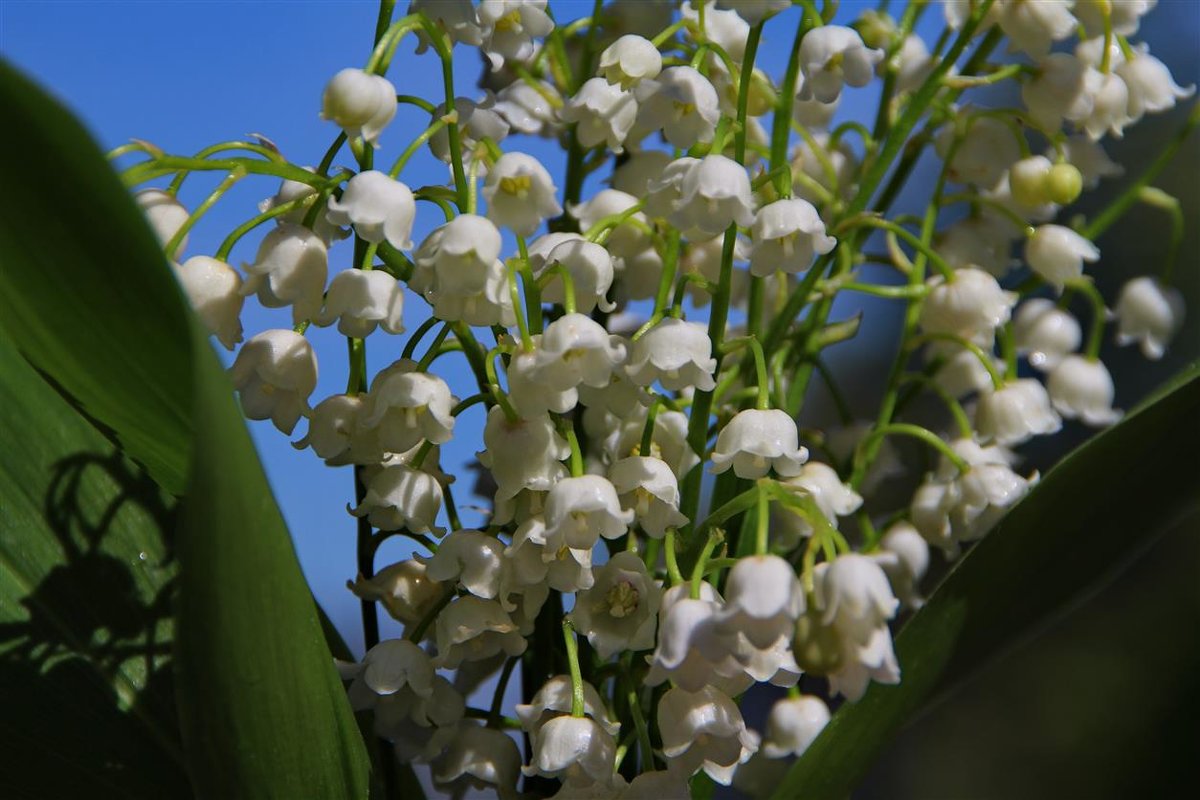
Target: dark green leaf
x,y
88,298
84,289
1090,514
85,617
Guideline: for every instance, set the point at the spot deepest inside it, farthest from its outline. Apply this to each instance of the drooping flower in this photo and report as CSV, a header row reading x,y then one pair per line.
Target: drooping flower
x,y
757,440
713,194
647,487
1082,388
704,730
580,510
478,758
214,291
787,234
360,103
379,207
681,103
1015,413
677,354
968,304
793,724
289,270
630,60
400,497
1058,254
473,559
361,300
576,349
165,214
274,374
405,406
575,749
473,629
510,27
520,193
1045,333
832,56
603,113
1149,313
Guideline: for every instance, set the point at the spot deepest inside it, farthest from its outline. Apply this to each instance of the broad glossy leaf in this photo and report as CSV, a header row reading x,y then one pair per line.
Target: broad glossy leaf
x,y
1089,515
84,290
88,298
85,616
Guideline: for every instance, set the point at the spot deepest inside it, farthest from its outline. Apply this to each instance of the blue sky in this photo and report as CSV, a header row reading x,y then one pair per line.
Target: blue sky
x,y
184,75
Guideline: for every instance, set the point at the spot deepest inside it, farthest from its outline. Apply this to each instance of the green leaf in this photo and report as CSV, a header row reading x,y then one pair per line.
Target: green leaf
x,y
1091,514
88,298
85,623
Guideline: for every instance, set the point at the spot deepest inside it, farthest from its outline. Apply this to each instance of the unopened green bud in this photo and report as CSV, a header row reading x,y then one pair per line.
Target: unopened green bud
x,y
1064,182
1027,181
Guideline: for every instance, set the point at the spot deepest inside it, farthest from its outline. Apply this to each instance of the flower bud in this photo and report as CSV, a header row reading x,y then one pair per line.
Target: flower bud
x,y
165,214
360,103
1058,254
1082,388
214,290
1045,333
793,724
1150,313
1063,184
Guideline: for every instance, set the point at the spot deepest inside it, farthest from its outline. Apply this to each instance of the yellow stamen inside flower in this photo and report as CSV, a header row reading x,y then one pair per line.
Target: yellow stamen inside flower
x,y
622,599
517,185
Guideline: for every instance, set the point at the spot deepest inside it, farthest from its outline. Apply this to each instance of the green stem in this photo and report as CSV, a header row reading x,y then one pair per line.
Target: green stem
x,y
715,537
577,704
173,245
671,557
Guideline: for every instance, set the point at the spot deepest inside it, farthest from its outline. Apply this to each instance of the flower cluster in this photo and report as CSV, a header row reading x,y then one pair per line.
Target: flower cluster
x,y
640,356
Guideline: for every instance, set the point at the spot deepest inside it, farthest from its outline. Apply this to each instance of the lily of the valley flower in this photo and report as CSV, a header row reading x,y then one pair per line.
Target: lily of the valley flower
x,y
274,374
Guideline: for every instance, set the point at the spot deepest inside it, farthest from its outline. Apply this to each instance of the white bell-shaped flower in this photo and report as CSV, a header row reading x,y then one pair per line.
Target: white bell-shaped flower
x,y
668,440
904,556
458,256
725,28
453,301
1027,180
378,206
763,600
458,17
619,397
394,664
510,27
477,120
554,700
473,629
1082,388
1032,27
522,454
620,611
576,349
691,651
913,63
1057,253
520,193
961,372
625,240
757,440
1152,90
793,724
664,191
787,234
290,191
575,749
479,759
533,561
1045,333
360,103
629,60
704,730
1110,107
833,497
1061,89
968,304
473,559
361,300
832,56
714,193
647,487
404,588
274,374
591,270
1015,413
405,407
334,432
603,113
165,214
289,270
855,601
580,510
528,109
214,291
639,170
984,152
675,353
982,242
1150,313
682,103
949,508
399,497
530,397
